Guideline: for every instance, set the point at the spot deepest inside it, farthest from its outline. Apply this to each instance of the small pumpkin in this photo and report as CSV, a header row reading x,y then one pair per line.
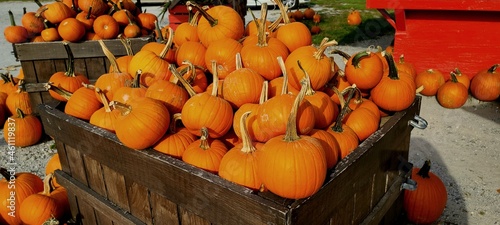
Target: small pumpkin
x,y
425,204
52,165
106,27
27,129
485,85
292,34
172,95
82,103
452,94
10,83
461,78
365,69
50,32
19,100
13,33
186,31
56,11
354,18
87,19
71,29
205,153
131,91
175,142
106,116
431,80
32,23
223,52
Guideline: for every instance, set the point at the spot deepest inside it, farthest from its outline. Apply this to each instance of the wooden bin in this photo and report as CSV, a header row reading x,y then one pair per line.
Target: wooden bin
x,y
445,34
39,60
109,183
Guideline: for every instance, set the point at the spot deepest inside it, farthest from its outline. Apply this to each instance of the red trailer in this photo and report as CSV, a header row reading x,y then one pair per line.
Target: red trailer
x,y
445,34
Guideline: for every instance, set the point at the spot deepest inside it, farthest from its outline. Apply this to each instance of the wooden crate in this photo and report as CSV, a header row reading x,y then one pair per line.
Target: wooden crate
x,y
109,183
40,60
444,34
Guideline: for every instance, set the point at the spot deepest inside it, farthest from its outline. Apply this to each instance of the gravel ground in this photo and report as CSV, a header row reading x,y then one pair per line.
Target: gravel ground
x,y
461,143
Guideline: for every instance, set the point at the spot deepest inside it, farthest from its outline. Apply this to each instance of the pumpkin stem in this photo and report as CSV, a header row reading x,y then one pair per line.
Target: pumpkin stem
x,y
183,81
424,171
11,17
158,31
284,88
283,10
215,79
204,139
103,98
453,77
245,138
63,93
457,72
38,3
47,188
344,111
307,80
493,68
124,108
358,57
213,22
291,125
127,44
173,125
21,87
70,71
110,56
191,69
6,174
319,54
264,93
239,64
89,13
136,82
261,27
275,24
194,21
393,71
20,113
169,43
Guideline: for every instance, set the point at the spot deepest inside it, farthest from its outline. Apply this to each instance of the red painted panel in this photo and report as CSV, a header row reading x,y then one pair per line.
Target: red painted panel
x,y
476,5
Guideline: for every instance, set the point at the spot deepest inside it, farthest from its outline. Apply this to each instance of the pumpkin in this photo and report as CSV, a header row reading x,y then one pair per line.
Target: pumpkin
x,y
223,52
360,102
132,29
83,103
192,51
9,84
172,95
50,203
292,34
365,69
33,24
122,17
316,18
218,22
431,80
50,33
27,129
251,27
206,110
363,121
69,80
298,15
292,166
177,140
313,60
194,75
13,33
142,122
87,19
104,117
252,127
461,78
242,85
330,145
71,29
261,56
19,100
272,114
205,153
239,165
309,13
276,86
315,29
187,31
131,91
346,137
123,62
485,85
404,66
106,26
452,94
111,81
354,18
153,66
26,184
93,7
163,46
52,165
425,204
396,91
147,21
56,11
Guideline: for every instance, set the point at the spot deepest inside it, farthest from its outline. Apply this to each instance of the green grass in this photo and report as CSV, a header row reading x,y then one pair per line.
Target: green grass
x,y
334,22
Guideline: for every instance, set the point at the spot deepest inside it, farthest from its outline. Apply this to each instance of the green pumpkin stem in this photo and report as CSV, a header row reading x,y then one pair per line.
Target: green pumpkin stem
x,y
307,79
158,30
393,71
183,81
213,22
341,53
63,93
453,77
110,56
11,17
493,68
20,113
38,3
345,108
204,139
358,57
291,126
248,146
6,174
89,13
424,171
70,70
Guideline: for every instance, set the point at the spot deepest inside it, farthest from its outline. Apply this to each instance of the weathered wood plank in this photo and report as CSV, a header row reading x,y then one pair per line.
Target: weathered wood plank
x,y
98,202
115,187
138,198
95,67
73,204
63,158
75,160
102,219
94,175
189,218
164,211
87,214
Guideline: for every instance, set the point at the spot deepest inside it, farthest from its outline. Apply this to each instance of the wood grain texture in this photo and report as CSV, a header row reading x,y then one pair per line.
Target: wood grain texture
x,y
116,188
164,211
94,175
138,198
77,166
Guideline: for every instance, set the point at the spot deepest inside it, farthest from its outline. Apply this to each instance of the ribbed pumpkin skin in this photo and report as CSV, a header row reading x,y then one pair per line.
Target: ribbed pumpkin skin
x,y
394,95
26,185
38,214
294,35
223,51
152,66
206,159
452,94
425,204
325,110
110,82
319,70
263,59
175,144
172,95
68,83
19,99
347,139
82,104
431,79
485,85
365,72
144,125
363,122
205,110
240,167
185,32
192,51
229,24
292,169
330,145
28,130
242,86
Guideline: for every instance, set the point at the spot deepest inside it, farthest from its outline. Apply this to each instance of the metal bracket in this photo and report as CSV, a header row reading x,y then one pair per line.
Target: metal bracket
x,y
409,184
418,122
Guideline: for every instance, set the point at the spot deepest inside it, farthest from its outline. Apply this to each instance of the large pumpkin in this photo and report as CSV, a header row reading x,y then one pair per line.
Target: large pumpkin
x,y
26,129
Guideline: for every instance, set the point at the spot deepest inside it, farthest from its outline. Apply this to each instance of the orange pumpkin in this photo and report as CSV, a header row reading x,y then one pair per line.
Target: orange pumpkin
x,y
239,165
106,116
205,153
485,85
147,21
93,7
461,78
431,80
142,122
69,80
223,51
354,18
187,31
27,129
33,24
56,11
403,65
52,165
292,34
330,145
131,91
254,132
71,29
177,140
87,19
365,69
19,100
452,94
106,26
192,51
83,103
50,33
172,95
15,34
292,166
218,22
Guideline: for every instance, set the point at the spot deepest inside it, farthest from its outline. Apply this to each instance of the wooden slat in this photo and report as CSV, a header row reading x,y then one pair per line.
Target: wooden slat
x,y
115,188
73,204
87,49
87,214
94,175
164,211
77,166
189,218
203,193
63,158
96,201
138,198
102,219
95,67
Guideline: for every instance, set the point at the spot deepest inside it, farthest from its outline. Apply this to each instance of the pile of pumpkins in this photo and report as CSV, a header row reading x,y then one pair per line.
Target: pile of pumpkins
x,y
233,99
80,20
27,199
